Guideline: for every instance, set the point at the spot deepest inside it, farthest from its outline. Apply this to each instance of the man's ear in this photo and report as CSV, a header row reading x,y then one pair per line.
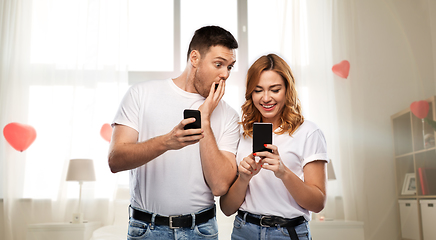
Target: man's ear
x,y
194,57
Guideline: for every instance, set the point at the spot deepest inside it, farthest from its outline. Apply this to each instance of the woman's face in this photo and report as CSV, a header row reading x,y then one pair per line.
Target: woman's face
x,y
269,97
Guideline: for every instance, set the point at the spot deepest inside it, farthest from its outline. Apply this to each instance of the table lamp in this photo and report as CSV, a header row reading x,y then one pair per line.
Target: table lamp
x,y
80,170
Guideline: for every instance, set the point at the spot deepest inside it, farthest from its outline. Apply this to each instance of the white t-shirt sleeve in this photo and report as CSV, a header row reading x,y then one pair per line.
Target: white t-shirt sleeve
x,y
230,139
315,147
128,112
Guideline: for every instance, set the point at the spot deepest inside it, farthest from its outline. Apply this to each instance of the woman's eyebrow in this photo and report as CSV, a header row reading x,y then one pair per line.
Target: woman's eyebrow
x,y
275,85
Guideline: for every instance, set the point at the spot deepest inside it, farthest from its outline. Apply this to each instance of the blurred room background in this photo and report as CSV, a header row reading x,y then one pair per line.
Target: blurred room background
x,y
66,64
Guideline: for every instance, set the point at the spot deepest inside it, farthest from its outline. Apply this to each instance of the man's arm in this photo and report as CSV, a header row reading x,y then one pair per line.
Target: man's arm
x,y
125,152
219,167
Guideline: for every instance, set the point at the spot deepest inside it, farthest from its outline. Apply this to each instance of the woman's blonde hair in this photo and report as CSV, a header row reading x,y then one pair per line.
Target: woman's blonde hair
x,y
291,116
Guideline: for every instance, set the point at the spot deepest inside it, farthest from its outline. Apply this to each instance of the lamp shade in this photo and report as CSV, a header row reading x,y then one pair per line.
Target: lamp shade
x,y
330,171
81,170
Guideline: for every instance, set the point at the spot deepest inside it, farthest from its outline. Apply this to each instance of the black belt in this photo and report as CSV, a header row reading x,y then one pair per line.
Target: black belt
x,y
179,221
274,221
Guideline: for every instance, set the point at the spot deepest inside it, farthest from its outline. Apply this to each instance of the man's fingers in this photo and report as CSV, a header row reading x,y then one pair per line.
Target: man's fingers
x,y
186,121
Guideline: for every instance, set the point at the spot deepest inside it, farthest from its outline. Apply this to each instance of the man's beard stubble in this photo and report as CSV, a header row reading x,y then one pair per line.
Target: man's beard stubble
x,y
199,85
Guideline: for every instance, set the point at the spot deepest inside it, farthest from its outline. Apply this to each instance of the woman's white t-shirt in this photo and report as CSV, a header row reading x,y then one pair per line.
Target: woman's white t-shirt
x,y
266,194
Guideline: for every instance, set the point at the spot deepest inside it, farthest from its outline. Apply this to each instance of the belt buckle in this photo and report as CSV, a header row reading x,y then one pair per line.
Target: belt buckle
x,y
171,222
262,218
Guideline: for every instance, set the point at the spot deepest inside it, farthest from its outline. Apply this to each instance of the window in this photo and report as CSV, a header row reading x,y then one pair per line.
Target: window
x,y
151,36
78,34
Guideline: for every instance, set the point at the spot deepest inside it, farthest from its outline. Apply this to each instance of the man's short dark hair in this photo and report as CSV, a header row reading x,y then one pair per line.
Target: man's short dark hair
x,y
210,36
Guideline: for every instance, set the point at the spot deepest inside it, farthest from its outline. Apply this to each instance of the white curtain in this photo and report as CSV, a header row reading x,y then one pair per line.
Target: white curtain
x,y
63,71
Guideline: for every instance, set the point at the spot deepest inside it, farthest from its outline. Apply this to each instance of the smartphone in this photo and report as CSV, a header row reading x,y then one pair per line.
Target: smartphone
x,y
262,134
192,113
216,86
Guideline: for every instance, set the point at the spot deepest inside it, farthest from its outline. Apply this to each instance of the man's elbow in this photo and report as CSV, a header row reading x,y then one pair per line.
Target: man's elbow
x,y
223,187
112,167
220,189
113,163
218,192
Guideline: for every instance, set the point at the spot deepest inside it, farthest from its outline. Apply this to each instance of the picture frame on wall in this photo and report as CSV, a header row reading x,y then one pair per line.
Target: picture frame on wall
x,y
409,185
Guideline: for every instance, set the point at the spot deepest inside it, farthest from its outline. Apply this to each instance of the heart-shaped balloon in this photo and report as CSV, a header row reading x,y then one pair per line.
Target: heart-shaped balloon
x,y
420,108
341,69
106,132
19,136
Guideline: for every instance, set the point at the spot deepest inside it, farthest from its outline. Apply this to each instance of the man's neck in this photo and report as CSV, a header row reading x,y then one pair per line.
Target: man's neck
x,y
185,81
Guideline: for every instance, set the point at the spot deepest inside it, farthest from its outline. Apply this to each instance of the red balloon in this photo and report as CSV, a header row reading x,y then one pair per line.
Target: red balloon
x,y
420,108
106,132
341,69
19,136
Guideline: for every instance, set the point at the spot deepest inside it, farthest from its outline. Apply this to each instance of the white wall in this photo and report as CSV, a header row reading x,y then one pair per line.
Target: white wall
x,y
391,54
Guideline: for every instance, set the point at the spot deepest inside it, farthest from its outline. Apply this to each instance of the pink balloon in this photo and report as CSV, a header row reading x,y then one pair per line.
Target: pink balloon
x,y
19,136
342,69
106,132
420,108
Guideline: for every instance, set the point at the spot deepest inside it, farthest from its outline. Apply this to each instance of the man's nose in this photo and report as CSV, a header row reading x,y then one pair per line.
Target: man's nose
x,y
225,74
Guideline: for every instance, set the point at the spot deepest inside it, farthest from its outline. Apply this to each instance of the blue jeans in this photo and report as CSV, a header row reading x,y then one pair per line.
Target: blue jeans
x,y
244,230
139,230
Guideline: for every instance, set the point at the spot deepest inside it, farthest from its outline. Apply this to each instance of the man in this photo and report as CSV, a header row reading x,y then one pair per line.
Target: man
x,y
175,173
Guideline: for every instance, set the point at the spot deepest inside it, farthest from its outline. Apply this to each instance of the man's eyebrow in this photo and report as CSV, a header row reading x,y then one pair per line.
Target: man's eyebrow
x,y
224,59
220,58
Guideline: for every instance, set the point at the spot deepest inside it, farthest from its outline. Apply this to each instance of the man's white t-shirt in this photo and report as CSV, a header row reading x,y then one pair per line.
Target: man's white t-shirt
x,y
172,183
266,194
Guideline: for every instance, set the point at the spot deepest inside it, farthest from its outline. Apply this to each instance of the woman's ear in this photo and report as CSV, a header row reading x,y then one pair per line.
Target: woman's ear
x,y
194,58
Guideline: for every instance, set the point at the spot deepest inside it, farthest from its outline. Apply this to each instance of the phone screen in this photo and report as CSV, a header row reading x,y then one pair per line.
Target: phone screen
x,y
262,134
192,113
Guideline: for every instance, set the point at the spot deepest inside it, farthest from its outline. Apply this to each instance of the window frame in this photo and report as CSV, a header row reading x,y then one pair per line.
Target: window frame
x,y
242,58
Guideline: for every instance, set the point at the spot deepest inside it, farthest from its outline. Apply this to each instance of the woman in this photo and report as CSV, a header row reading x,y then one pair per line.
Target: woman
x,y
274,196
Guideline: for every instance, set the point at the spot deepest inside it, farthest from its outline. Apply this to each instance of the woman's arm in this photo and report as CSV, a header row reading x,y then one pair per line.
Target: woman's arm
x,y
310,193
234,198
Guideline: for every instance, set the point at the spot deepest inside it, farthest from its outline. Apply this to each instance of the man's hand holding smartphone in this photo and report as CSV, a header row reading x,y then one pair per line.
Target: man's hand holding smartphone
x,y
185,133
192,113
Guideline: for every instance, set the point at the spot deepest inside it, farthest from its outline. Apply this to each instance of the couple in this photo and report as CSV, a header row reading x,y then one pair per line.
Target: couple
x,y
175,173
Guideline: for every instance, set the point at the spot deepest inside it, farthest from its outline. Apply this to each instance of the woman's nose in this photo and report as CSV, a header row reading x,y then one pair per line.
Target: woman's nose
x,y
266,97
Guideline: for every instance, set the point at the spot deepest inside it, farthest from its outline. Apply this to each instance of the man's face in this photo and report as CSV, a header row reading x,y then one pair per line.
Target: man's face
x,y
214,66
